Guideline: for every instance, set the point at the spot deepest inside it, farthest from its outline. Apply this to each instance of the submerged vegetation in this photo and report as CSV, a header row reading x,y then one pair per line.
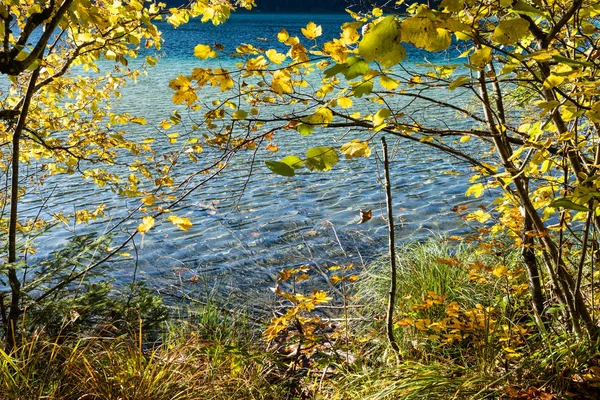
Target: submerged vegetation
x,y
509,309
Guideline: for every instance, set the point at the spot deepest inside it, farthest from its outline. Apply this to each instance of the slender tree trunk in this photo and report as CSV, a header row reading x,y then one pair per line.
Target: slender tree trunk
x,y
574,301
13,279
392,242
530,261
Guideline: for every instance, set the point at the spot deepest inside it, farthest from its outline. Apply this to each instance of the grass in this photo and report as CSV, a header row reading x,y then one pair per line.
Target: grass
x,y
189,363
463,323
498,354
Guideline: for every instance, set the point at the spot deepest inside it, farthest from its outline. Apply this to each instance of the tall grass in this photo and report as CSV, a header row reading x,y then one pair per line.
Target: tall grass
x,y
427,367
187,363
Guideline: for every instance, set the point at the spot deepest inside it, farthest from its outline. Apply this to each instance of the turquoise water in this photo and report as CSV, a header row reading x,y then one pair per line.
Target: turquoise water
x,y
241,237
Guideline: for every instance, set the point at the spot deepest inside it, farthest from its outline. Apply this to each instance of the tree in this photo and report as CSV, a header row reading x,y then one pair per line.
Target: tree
x,y
516,82
66,62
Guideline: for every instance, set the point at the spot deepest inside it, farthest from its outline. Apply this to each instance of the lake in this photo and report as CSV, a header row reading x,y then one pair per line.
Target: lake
x,y
248,227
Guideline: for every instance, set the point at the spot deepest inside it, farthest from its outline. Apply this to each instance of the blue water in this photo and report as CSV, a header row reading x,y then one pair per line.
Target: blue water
x,y
247,226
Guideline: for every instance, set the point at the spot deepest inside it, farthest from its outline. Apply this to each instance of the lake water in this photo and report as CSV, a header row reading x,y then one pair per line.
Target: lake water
x,y
239,241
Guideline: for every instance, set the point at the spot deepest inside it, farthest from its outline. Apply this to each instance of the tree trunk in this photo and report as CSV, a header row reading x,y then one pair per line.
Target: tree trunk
x,y
13,279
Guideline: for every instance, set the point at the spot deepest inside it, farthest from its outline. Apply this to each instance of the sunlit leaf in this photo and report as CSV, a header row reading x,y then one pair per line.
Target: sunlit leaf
x,y
283,35
379,119
481,57
509,31
312,31
146,225
293,161
476,190
240,114
275,57
305,129
422,32
344,102
182,223
355,148
321,158
382,43
203,52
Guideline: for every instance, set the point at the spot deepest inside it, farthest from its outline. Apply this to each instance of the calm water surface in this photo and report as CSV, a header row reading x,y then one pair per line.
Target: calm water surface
x,y
278,222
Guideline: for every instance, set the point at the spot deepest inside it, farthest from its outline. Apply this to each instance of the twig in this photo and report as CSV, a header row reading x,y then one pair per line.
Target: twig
x,y
390,216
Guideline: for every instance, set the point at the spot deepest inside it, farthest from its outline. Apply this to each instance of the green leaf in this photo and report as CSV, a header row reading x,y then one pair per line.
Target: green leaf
x,y
572,63
280,168
305,129
510,31
336,69
567,204
293,161
355,67
362,88
240,114
382,43
321,158
351,69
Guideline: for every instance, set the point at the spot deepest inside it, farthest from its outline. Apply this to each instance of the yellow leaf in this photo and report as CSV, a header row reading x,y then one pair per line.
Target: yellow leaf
x,y
275,57
479,216
344,102
322,116
283,35
553,81
387,82
481,57
422,324
146,225
500,271
476,190
281,82
149,200
382,43
272,147
203,52
320,296
181,223
336,50
405,322
312,31
379,119
377,12
350,33
356,148
240,114
284,275
173,137
510,31
422,32
465,138
457,82
594,113
452,5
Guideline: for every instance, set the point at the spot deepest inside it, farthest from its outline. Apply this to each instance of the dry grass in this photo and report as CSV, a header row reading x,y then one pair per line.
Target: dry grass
x,y
184,367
